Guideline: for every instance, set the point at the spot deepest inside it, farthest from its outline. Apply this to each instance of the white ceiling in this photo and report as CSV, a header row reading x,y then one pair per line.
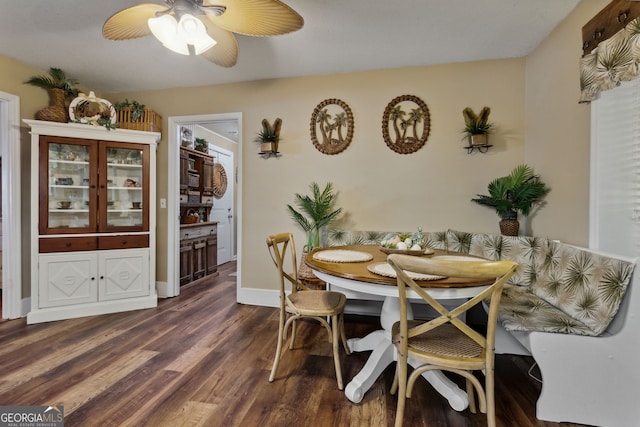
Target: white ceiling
x,y
338,36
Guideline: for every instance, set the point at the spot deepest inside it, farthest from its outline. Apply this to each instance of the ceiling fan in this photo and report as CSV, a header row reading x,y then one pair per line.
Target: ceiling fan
x,y
203,27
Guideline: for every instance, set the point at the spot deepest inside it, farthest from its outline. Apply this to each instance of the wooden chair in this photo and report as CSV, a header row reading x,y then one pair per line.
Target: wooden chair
x,y
447,343
299,302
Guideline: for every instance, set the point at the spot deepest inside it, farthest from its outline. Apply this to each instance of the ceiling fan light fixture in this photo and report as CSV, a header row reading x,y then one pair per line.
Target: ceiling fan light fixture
x,y
180,36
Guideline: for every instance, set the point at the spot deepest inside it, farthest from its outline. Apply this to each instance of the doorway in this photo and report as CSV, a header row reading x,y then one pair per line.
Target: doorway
x,y
223,206
233,172
11,207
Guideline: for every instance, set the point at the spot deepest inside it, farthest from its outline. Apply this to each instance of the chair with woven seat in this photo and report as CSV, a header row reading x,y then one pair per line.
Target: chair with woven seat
x,y
297,302
447,343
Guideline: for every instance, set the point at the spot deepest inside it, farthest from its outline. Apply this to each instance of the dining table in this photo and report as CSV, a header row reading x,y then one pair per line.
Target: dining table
x,y
363,269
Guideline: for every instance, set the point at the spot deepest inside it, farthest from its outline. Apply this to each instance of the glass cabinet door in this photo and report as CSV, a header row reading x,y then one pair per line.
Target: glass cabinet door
x,y
68,186
123,195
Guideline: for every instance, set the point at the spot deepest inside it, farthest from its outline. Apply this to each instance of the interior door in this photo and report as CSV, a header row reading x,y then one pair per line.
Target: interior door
x,y
222,210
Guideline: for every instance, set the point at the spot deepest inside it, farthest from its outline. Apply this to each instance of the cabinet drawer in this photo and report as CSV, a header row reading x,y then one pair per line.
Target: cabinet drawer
x,y
194,180
198,232
123,242
67,244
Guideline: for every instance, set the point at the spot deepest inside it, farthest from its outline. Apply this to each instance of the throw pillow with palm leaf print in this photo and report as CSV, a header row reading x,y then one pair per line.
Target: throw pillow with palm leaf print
x,y
583,284
459,241
521,310
483,245
435,239
527,252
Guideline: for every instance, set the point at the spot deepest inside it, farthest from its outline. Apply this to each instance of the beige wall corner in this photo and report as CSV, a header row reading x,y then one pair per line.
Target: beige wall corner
x,y
558,128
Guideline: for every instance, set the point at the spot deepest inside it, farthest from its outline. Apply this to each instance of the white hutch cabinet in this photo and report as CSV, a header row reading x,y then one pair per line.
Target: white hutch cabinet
x,y
93,220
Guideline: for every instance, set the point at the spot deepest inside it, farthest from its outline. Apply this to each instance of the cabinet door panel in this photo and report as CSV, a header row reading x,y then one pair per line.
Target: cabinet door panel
x,y
212,255
68,180
123,274
207,176
124,187
186,262
199,259
67,279
184,171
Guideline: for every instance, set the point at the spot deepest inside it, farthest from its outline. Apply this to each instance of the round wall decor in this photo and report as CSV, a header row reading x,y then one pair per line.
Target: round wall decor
x,y
330,118
405,124
219,180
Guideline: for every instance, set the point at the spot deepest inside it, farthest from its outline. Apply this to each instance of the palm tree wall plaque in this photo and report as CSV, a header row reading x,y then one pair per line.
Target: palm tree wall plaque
x,y
394,118
331,115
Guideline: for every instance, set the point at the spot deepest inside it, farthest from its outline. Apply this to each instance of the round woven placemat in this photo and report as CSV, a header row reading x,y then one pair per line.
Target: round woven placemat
x,y
384,269
418,252
342,255
457,258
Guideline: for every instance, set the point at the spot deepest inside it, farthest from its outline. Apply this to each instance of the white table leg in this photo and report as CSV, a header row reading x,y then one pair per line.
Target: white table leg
x,y
458,399
369,342
381,357
384,352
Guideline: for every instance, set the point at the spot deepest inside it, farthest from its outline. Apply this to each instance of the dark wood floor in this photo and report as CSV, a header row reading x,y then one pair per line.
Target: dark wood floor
x,y
202,360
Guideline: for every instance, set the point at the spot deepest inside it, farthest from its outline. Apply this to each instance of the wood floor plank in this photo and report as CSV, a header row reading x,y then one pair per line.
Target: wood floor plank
x,y
201,359
15,373
74,397
193,414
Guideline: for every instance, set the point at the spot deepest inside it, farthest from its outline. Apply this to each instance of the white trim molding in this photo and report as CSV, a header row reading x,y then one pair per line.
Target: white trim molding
x,y
12,304
172,287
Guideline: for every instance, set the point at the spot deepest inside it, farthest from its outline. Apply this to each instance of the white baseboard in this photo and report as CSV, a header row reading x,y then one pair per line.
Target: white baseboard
x,y
161,289
25,307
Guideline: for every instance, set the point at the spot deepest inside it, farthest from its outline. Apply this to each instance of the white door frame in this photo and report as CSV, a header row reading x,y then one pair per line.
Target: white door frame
x,y
11,208
173,194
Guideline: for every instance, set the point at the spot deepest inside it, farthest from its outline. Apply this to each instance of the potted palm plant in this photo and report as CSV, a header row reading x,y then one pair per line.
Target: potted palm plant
x,y
60,88
316,211
520,191
477,127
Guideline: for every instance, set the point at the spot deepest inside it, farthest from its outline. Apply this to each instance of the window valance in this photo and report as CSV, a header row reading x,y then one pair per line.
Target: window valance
x,y
616,58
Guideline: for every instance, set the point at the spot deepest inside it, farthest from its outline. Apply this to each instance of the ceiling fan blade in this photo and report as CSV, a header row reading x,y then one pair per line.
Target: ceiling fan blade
x,y
256,17
131,23
225,52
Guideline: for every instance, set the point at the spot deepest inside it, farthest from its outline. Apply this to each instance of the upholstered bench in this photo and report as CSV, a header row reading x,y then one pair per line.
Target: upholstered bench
x,y
568,307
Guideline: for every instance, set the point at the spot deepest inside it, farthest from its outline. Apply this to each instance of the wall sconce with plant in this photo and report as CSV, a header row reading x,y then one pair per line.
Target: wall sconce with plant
x,y
269,137
477,129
